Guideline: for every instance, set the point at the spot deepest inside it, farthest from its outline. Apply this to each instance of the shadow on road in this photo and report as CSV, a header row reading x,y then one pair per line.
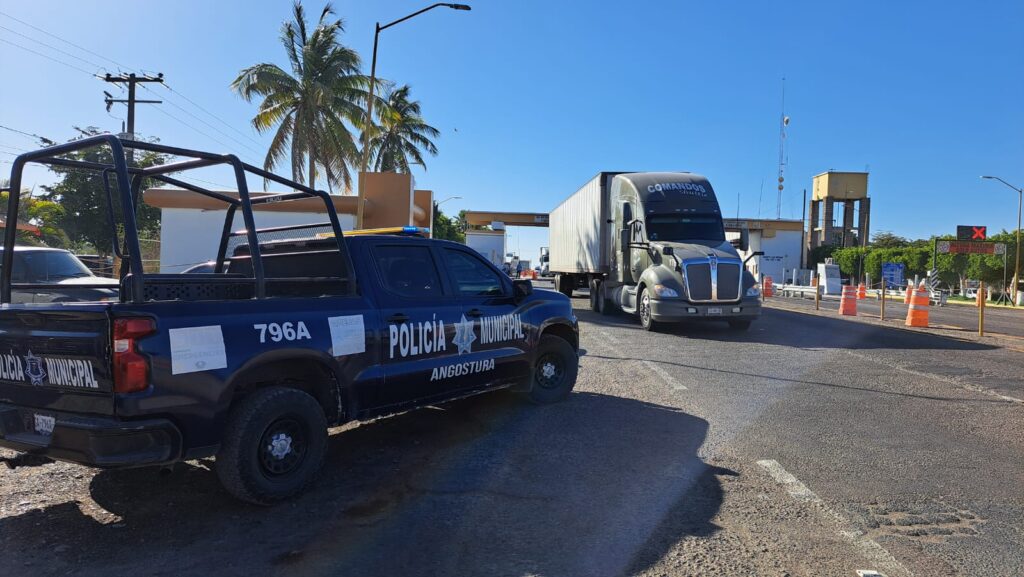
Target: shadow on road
x,y
597,485
791,329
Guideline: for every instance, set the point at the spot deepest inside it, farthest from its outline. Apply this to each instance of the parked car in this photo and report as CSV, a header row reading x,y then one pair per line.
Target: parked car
x,y
65,278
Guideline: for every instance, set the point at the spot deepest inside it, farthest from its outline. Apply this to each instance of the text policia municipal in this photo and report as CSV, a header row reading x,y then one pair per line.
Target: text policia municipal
x,y
425,337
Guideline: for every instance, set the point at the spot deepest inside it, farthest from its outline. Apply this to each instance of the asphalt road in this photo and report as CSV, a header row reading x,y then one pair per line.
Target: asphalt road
x,y
809,445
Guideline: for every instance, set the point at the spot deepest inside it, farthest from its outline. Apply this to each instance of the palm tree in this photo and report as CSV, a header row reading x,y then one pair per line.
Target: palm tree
x,y
313,106
402,133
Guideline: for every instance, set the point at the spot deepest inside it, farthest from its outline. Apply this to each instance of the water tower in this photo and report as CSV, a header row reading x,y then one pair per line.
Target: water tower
x,y
850,189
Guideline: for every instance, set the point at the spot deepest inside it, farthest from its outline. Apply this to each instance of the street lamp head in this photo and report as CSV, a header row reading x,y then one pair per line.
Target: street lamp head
x,y
459,6
988,177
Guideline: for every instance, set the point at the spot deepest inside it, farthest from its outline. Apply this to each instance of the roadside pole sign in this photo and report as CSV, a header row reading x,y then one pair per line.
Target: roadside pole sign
x,y
892,274
933,279
969,247
971,232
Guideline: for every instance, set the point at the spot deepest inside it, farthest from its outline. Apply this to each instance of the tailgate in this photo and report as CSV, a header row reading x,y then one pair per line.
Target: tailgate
x,y
56,357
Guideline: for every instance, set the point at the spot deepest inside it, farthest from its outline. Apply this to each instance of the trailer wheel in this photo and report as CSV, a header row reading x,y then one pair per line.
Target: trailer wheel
x,y
554,372
273,446
595,295
643,310
565,284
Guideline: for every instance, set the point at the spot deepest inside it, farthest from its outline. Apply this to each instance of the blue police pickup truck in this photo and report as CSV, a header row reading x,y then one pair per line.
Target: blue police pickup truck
x,y
297,329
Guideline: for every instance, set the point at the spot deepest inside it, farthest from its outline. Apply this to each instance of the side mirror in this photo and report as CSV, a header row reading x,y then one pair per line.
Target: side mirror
x,y
522,288
743,242
668,251
752,255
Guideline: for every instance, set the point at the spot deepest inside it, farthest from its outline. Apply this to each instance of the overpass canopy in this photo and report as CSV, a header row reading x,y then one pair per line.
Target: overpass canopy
x,y
485,218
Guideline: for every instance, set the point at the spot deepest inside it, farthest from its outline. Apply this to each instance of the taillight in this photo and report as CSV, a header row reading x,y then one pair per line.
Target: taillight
x,y
131,369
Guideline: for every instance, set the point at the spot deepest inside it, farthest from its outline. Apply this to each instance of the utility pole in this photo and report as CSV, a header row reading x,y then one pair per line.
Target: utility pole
x,y
131,80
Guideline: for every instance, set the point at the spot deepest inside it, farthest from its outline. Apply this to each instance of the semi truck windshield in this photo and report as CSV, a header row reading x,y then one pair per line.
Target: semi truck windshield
x,y
680,227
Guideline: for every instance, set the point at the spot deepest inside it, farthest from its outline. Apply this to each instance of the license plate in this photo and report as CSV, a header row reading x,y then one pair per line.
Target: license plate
x,y
714,311
44,424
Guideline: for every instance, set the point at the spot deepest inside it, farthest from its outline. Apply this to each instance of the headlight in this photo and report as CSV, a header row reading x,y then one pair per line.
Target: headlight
x,y
754,291
664,291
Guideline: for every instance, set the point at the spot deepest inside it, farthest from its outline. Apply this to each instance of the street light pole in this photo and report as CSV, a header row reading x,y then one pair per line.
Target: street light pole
x,y
368,121
1016,266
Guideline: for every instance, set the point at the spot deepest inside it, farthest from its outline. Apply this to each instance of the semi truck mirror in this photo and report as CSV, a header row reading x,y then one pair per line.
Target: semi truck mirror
x,y
743,242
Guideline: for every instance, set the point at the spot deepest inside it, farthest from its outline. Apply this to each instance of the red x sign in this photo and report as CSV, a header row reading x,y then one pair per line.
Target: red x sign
x,y
971,232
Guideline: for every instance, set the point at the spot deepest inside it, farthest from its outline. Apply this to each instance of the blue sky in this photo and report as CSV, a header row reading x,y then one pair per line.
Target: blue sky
x,y
534,97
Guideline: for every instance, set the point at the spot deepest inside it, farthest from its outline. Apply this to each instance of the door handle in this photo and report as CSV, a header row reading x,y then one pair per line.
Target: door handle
x,y
398,318
475,313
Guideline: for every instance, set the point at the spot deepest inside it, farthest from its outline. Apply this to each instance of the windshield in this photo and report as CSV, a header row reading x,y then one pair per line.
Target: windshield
x,y
680,227
48,266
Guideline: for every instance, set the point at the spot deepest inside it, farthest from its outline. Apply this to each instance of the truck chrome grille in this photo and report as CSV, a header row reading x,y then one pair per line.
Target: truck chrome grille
x,y
712,279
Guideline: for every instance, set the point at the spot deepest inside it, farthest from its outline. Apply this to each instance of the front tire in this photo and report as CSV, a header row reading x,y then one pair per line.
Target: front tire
x,y
554,372
565,284
273,446
595,295
643,310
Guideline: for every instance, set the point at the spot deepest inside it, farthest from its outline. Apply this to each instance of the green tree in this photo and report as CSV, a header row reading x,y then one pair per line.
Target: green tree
x,y
312,107
401,133
446,228
886,239
82,197
44,214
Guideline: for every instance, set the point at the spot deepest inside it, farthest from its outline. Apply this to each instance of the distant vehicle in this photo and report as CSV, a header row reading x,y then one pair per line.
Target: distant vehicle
x,y
971,293
652,244
201,268
58,276
99,265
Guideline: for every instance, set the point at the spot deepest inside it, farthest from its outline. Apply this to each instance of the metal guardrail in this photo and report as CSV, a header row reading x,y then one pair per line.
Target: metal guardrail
x,y
803,291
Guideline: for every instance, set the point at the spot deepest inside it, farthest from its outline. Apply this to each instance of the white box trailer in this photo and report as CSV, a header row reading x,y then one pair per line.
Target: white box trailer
x,y
489,243
579,230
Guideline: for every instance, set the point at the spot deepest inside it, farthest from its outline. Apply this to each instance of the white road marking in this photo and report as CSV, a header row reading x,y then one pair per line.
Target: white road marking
x,y
672,382
867,546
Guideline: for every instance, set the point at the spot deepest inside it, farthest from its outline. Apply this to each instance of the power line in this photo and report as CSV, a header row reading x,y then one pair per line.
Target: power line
x,y
179,120
212,127
49,57
9,147
36,28
25,133
212,115
87,61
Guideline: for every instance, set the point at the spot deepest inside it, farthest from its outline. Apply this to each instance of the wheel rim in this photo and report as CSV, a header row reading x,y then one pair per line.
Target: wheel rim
x,y
645,309
550,371
282,447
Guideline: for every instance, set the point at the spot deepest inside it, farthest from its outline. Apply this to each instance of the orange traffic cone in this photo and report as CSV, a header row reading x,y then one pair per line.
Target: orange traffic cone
x,y
848,301
768,290
917,310
910,291
862,292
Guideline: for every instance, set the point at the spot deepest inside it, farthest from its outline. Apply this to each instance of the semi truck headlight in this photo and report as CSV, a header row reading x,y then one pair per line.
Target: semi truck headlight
x,y
754,291
664,291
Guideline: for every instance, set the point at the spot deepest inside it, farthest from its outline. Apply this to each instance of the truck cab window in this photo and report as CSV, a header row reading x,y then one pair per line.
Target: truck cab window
x,y
669,227
408,271
472,276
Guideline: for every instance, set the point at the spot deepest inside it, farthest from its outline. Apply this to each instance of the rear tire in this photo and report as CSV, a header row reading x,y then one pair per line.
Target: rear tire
x,y
554,372
595,295
273,446
565,284
739,325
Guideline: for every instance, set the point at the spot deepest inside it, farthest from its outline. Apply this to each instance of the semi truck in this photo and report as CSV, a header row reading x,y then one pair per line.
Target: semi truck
x,y
652,244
